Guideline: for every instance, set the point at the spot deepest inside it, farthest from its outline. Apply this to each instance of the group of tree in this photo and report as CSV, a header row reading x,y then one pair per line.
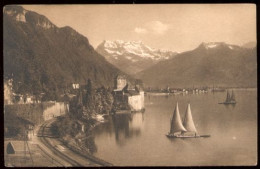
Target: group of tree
x,y
90,100
87,102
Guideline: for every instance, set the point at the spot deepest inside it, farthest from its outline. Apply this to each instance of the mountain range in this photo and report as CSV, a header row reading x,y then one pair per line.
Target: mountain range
x,y
214,63
132,57
43,57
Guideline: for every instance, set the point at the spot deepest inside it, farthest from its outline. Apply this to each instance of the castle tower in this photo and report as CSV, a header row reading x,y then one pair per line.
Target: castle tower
x,y
120,82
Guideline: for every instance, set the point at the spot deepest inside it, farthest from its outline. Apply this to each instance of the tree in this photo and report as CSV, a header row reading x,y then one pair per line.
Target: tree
x,y
88,96
89,87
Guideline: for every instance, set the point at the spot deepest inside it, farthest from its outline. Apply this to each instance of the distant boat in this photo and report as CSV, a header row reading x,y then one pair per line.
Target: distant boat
x,y
230,98
186,129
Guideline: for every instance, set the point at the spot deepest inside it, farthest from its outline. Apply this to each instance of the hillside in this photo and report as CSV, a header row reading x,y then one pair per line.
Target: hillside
x,y
132,57
249,45
211,63
43,57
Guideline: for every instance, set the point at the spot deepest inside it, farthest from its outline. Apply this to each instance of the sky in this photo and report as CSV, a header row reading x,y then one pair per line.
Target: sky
x,y
176,27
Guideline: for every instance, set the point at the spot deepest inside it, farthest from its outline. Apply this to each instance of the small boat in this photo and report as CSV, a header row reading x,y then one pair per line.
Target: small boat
x,y
186,129
230,99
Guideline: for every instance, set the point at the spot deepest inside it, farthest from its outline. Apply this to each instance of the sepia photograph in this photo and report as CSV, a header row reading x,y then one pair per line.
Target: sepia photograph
x,y
91,85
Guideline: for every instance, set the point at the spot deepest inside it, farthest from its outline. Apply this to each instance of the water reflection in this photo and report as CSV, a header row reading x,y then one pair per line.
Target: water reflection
x,y
166,96
122,126
90,143
230,106
233,130
127,126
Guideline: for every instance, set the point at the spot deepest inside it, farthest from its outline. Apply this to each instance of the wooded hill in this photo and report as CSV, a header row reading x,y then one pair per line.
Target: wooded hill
x,y
45,58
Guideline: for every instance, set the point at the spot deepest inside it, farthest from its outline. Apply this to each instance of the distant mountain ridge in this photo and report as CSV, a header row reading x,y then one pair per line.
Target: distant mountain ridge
x,y
132,57
210,63
43,57
249,45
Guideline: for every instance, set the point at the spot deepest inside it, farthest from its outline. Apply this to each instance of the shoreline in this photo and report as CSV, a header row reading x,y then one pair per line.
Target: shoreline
x,y
181,92
77,149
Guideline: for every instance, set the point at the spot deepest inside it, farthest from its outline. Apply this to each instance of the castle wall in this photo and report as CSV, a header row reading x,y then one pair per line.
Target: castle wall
x,y
57,109
136,102
142,98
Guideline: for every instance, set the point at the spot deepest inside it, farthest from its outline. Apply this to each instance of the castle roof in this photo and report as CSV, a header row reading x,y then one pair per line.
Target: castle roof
x,y
139,88
120,76
132,92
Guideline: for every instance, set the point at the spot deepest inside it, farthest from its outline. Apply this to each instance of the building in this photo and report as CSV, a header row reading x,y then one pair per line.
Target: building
x,y
29,127
8,95
30,99
124,94
18,98
75,86
16,147
55,110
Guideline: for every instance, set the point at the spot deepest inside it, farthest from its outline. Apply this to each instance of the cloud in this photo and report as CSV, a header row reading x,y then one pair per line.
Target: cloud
x,y
154,27
157,27
140,30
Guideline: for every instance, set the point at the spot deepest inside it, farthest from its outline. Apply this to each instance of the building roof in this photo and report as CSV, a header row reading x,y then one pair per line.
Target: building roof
x,y
125,88
15,146
139,88
132,92
25,121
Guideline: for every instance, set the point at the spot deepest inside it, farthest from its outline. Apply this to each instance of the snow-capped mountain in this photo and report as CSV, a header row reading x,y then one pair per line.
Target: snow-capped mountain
x,y
214,62
132,57
218,45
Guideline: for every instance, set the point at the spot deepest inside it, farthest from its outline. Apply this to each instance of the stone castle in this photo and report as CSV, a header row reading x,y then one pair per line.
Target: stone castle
x,y
124,94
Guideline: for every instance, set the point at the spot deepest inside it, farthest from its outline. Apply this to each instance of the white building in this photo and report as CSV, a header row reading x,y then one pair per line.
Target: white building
x,y
8,96
75,86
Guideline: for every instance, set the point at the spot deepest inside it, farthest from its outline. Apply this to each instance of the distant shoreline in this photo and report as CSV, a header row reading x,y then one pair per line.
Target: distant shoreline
x,y
210,89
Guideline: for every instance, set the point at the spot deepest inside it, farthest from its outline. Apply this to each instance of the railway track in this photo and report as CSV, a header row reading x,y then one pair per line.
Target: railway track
x,y
46,142
44,135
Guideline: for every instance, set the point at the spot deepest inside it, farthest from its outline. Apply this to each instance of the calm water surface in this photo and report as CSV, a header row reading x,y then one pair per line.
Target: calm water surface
x,y
139,139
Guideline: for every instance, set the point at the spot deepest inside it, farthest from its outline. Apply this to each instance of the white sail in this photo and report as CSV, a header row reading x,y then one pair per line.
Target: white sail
x,y
176,124
228,97
188,121
233,96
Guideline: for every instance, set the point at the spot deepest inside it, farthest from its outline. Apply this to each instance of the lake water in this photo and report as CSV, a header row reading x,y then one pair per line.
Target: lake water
x,y
139,139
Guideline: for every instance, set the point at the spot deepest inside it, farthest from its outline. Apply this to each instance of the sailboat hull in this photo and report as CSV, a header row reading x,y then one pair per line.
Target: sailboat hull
x,y
183,136
228,103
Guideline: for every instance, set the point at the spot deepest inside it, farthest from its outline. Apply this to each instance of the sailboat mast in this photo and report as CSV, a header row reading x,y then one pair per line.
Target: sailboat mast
x,y
228,97
233,96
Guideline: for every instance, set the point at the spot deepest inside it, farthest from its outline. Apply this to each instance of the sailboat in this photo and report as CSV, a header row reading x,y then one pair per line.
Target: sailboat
x,y
230,98
186,129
